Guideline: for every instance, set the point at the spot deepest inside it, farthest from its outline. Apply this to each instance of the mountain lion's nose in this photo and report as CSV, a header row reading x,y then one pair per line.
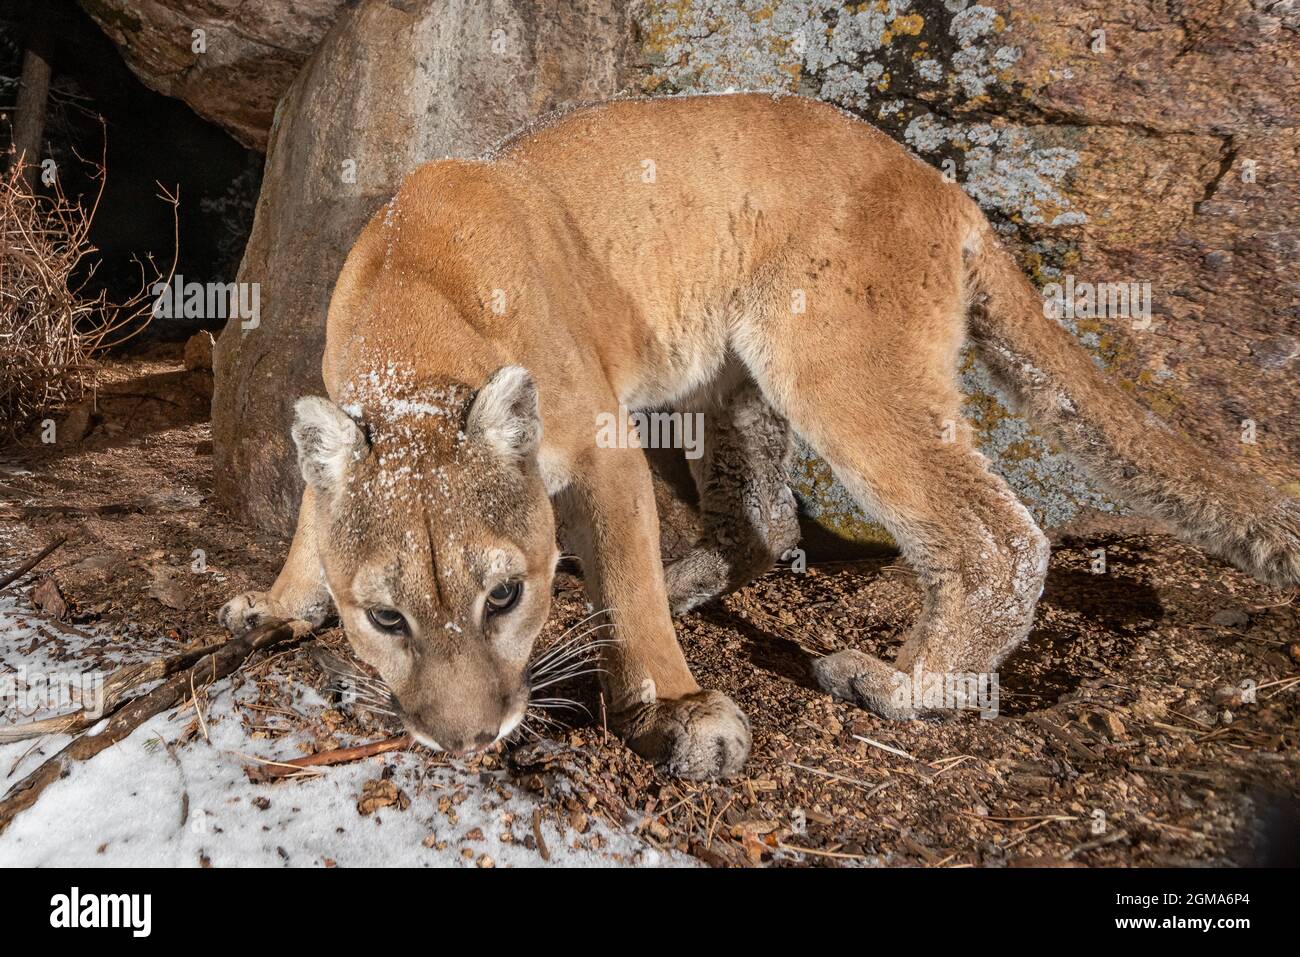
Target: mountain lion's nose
x,y
458,746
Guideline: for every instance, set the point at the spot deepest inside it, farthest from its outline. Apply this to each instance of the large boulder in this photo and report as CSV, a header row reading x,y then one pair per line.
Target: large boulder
x,y
235,69
393,84
1113,141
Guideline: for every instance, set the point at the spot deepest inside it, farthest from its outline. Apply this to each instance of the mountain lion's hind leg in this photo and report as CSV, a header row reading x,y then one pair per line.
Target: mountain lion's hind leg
x,y
654,703
888,426
980,560
299,592
747,508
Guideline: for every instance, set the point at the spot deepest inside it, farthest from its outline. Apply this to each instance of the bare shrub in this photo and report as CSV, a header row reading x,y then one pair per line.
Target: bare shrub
x,y
50,328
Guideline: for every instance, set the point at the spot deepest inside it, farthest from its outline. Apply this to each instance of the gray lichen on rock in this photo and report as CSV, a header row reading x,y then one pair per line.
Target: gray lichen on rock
x,y
716,45
1050,485
1006,172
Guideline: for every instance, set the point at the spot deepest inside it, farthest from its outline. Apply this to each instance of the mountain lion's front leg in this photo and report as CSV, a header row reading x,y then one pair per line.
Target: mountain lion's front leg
x,y
653,701
299,592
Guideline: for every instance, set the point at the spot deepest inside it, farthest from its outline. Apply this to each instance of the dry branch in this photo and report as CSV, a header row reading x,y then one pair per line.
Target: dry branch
x,y
276,770
211,667
31,563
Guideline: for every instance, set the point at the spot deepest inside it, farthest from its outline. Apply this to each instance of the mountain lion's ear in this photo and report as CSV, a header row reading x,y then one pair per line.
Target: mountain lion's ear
x,y
506,414
327,441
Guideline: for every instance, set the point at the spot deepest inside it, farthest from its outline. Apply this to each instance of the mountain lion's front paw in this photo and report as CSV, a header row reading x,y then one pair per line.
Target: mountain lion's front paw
x,y
701,736
245,612
867,682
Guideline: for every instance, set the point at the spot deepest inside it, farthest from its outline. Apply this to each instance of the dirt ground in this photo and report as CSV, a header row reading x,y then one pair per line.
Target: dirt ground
x,y
1150,719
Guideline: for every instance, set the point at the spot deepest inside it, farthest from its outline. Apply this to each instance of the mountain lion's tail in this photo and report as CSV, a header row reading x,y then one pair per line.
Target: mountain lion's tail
x,y
1123,446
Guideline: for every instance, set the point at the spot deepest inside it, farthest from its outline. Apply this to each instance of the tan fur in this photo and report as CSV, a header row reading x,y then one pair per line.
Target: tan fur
x,y
642,252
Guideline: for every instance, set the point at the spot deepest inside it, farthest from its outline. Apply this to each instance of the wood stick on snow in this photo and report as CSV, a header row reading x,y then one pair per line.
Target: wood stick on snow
x,y
31,563
275,770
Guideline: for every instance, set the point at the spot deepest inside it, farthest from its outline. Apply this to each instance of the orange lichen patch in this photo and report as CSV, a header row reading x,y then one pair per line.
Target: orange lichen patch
x,y
909,25
1161,399
658,31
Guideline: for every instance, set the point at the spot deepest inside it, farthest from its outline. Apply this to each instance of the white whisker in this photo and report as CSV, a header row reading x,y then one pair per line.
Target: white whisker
x,y
553,662
560,649
560,704
557,680
572,668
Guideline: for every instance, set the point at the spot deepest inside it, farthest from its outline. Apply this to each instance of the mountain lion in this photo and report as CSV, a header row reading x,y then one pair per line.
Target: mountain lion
x,y
769,261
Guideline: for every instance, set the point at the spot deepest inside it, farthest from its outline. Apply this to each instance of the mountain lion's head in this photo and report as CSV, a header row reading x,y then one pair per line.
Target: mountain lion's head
x,y
437,541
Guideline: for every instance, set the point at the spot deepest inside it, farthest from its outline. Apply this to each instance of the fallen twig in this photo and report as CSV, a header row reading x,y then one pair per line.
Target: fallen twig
x,y
114,508
837,855
542,849
869,788
1110,838
31,563
275,771
211,667
1066,738
1023,818
884,747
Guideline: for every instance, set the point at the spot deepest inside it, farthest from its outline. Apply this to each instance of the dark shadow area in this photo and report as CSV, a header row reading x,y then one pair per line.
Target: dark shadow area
x,y
1080,617
1115,600
120,413
98,109
1277,843
671,468
823,545
769,652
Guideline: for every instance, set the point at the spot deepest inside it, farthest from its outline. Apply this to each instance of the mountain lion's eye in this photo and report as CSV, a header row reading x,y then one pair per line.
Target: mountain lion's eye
x,y
385,619
504,596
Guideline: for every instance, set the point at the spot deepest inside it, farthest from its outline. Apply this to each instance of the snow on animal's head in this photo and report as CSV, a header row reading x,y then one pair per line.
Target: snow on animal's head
x,y
437,540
